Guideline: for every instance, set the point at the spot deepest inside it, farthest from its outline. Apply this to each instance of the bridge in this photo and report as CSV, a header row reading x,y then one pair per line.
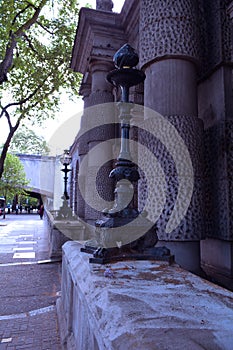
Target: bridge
x,y
44,175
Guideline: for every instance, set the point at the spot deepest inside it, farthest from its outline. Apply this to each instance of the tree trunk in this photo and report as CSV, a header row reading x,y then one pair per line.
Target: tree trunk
x,y
4,210
6,146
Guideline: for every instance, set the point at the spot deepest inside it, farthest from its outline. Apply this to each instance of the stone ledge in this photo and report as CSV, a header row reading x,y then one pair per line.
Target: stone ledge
x,y
60,231
145,304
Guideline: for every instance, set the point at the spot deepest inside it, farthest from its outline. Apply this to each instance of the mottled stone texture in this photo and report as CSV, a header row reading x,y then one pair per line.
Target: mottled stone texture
x,y
168,28
170,89
197,29
191,227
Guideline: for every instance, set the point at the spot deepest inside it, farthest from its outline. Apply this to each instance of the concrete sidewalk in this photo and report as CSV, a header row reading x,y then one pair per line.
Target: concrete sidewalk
x,y
29,286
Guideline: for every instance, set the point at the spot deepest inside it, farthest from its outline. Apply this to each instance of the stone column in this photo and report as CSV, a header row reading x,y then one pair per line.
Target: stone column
x,y
101,90
169,52
95,114
84,91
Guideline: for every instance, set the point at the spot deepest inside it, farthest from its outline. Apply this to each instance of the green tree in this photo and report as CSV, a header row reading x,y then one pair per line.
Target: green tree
x,y
36,39
26,141
13,179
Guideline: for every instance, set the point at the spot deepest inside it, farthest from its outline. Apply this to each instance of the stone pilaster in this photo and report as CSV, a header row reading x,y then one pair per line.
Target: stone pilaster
x,y
215,94
215,35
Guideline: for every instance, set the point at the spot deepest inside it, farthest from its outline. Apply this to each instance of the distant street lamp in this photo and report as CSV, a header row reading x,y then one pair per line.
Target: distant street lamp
x,y
65,211
65,160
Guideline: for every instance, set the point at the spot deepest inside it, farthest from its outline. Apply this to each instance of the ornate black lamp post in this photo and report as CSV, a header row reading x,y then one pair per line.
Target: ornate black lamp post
x,y
116,230
65,160
65,212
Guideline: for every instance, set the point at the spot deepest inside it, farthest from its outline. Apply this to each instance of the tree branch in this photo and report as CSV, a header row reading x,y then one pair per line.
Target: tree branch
x,y
7,145
8,119
24,100
19,13
46,29
37,102
31,21
6,63
31,45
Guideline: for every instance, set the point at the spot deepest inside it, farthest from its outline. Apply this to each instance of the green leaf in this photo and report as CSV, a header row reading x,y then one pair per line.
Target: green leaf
x,y
39,72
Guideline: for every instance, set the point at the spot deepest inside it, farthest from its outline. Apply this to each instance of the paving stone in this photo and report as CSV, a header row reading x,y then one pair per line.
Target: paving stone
x,y
3,346
27,287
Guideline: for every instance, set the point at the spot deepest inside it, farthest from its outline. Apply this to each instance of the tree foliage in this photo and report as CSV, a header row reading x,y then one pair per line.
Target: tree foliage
x,y
35,53
13,179
27,142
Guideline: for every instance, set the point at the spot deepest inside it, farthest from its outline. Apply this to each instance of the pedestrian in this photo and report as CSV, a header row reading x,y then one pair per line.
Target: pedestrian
x,y
17,209
41,211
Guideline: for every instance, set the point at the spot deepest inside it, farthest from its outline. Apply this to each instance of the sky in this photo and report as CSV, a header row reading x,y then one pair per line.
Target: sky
x,y
68,109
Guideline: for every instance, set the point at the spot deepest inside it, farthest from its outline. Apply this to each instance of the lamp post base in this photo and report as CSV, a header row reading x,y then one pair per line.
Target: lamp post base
x,y
110,255
118,237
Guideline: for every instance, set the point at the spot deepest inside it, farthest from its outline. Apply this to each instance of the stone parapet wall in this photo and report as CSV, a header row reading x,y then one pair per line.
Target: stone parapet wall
x,y
61,231
56,238
131,305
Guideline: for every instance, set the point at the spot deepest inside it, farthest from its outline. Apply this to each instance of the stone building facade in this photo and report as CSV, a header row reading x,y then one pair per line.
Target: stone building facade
x,y
185,50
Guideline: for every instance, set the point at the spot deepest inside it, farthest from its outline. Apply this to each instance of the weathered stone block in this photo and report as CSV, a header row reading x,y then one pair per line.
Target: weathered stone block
x,y
135,308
